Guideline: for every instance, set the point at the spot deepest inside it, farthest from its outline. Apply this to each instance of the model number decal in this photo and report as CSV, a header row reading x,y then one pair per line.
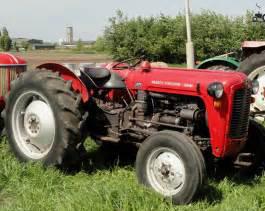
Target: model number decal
x,y
172,83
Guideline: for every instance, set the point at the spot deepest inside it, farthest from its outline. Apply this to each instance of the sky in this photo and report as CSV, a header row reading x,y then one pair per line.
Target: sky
x,y
47,19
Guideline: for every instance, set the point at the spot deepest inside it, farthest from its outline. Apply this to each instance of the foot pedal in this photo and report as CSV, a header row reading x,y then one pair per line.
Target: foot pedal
x,y
244,160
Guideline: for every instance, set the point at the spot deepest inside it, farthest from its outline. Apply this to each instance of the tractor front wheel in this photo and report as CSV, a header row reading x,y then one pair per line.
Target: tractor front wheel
x,y
42,119
172,165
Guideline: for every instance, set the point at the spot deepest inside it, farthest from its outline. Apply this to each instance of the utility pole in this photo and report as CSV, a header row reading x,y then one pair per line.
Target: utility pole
x,y
189,44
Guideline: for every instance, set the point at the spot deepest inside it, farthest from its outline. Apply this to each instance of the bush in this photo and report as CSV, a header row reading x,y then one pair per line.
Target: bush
x,y
100,45
25,45
5,40
6,43
163,38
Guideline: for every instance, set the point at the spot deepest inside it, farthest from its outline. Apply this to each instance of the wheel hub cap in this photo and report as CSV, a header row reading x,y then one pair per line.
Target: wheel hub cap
x,y
33,125
166,172
259,104
39,122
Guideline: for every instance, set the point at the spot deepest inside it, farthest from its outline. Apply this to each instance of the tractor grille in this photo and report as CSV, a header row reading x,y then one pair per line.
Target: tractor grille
x,y
7,74
240,114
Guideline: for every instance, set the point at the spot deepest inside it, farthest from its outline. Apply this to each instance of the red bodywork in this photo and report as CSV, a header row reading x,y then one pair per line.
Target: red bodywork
x,y
181,82
10,67
195,83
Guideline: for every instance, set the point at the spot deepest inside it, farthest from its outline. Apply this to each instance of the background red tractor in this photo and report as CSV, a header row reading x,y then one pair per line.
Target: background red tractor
x,y
175,116
10,67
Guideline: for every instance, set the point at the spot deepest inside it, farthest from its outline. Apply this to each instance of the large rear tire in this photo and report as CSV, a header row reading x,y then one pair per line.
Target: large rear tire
x,y
256,142
254,67
172,165
220,67
217,65
43,118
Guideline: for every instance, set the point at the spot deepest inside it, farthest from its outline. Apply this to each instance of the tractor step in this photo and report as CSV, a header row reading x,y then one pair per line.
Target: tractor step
x,y
244,160
108,139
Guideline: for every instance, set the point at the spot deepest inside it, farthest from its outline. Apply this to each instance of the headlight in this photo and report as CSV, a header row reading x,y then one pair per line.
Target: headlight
x,y
255,87
216,90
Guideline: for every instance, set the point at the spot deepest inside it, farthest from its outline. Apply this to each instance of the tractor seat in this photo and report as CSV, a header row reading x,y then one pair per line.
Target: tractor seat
x,y
97,73
101,78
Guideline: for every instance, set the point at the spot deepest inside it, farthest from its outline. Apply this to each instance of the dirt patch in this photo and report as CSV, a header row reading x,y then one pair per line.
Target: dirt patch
x,y
35,58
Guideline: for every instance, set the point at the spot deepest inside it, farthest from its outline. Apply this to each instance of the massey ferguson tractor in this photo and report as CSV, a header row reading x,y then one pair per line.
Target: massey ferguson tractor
x,y
175,116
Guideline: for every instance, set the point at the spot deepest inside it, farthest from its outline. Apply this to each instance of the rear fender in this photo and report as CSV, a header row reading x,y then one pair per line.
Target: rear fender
x,y
252,47
68,75
253,44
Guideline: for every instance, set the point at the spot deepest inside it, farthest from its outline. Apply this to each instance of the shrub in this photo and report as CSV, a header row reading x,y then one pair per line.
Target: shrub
x,y
5,40
163,37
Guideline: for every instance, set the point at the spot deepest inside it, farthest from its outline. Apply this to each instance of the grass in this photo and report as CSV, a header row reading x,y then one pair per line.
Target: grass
x,y
178,65
110,184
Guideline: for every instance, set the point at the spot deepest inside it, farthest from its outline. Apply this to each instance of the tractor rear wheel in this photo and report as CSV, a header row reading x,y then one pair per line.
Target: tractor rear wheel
x,y
42,119
254,67
220,67
256,142
172,165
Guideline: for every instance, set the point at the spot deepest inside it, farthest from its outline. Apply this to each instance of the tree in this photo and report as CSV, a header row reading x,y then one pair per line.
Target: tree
x,y
2,42
163,37
5,40
5,32
79,45
100,45
15,46
25,45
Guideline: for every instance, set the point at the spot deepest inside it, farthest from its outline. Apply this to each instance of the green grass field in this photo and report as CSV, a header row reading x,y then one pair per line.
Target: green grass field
x,y
110,184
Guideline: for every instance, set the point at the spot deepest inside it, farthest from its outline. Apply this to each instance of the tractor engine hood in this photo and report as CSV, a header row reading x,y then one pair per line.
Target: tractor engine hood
x,y
187,81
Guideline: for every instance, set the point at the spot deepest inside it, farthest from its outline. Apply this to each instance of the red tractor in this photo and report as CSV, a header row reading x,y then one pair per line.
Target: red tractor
x,y
174,115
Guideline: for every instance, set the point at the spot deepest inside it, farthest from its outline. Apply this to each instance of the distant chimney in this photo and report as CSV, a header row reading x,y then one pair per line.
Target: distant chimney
x,y
69,35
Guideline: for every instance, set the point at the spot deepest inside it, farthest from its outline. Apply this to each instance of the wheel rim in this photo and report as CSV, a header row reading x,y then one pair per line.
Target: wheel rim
x,y
166,171
259,104
33,125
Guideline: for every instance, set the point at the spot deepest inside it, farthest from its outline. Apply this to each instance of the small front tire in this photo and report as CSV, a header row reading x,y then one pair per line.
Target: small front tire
x,y
169,163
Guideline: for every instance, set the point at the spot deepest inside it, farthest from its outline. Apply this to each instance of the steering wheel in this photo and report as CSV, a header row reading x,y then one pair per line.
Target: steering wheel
x,y
127,65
